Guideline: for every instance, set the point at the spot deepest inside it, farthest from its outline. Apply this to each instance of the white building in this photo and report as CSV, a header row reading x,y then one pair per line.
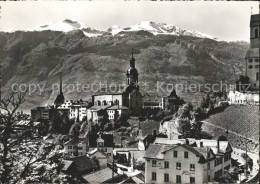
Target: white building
x,y
77,108
100,155
247,98
178,164
221,150
76,146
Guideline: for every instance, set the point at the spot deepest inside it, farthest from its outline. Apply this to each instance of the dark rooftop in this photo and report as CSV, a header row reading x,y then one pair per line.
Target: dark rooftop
x,y
83,163
108,140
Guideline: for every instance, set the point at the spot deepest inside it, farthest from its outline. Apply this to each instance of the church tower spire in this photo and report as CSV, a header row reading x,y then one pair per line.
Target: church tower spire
x,y
132,73
60,82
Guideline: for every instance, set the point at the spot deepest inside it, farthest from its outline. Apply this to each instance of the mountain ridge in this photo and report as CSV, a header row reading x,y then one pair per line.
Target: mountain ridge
x,y
68,25
37,57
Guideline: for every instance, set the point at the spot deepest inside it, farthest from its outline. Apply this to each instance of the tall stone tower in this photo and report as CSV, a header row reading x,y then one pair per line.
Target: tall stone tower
x,y
252,56
132,73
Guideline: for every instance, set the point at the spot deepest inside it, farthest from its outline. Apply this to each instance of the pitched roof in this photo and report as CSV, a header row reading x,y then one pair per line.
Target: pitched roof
x,y
99,107
156,151
110,91
160,140
118,107
83,163
100,176
213,144
59,99
108,140
150,97
67,164
75,141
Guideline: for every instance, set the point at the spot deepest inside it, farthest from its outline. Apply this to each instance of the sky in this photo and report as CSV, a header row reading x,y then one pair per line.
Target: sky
x,y
227,20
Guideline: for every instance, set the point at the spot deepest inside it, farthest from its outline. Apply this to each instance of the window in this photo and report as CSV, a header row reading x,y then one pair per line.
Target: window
x,y
250,66
69,147
166,177
80,148
178,166
154,163
186,154
257,60
175,154
256,33
209,166
209,177
154,176
256,66
166,164
178,179
250,60
216,163
257,76
192,167
192,179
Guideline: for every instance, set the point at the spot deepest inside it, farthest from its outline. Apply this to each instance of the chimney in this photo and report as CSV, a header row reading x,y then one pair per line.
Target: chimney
x,y
187,142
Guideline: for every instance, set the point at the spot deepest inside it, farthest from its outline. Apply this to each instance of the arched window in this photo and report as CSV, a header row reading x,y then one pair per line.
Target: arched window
x,y
256,33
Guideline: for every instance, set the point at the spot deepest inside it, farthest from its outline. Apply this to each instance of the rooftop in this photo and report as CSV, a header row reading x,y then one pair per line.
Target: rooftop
x,y
110,91
118,107
100,176
108,140
83,163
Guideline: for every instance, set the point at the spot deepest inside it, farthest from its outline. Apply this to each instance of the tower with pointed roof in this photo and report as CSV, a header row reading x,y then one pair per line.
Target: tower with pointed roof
x,y
132,73
60,97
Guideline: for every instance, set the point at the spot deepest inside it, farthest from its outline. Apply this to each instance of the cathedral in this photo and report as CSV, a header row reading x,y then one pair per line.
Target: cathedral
x,y
252,56
118,101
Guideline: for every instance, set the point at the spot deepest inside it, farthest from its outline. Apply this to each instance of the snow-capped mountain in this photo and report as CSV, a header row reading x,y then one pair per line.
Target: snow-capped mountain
x,y
158,28
149,26
65,26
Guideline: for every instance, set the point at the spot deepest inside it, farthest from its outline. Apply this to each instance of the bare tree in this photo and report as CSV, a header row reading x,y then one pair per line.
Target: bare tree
x,y
8,107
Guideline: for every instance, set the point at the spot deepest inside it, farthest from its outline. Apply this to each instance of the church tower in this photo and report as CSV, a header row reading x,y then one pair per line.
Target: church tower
x,y
132,73
252,56
60,98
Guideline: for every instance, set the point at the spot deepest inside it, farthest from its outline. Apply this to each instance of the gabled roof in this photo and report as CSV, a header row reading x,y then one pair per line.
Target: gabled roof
x,y
213,144
118,107
108,140
156,151
100,176
83,163
99,107
75,141
93,152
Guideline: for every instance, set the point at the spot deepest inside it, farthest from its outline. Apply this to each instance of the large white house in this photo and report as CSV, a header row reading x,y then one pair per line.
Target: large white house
x,y
178,164
217,155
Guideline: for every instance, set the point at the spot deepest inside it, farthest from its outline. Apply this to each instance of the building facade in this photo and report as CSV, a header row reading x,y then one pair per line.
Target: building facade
x,y
178,164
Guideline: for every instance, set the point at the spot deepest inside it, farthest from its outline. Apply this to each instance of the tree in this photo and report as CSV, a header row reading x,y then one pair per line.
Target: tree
x,y
242,83
8,107
20,157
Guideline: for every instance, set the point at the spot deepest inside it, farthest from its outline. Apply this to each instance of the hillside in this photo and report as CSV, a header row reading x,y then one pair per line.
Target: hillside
x,y
38,56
